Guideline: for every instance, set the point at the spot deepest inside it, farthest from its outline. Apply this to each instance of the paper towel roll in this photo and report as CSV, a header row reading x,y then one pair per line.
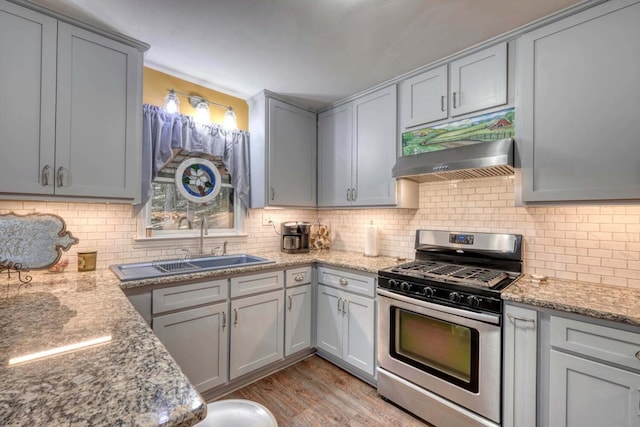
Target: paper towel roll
x,y
371,241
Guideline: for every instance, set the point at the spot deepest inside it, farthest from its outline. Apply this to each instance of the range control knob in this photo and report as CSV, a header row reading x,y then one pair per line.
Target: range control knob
x,y
428,291
473,300
455,297
405,286
393,284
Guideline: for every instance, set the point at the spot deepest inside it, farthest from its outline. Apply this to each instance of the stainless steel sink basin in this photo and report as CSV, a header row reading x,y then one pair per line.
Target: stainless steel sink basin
x,y
150,270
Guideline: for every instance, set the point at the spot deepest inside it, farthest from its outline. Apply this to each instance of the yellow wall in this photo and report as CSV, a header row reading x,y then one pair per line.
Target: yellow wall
x,y
156,83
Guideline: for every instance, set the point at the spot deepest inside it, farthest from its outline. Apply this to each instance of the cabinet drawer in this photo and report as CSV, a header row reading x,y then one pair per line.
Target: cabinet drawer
x,y
256,283
298,276
601,342
188,295
347,281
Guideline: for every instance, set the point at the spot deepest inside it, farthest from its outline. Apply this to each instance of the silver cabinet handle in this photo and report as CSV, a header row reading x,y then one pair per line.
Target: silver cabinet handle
x,y
442,103
523,319
354,195
348,194
455,95
224,320
44,178
235,316
343,281
298,278
290,302
638,355
339,300
60,176
273,193
344,306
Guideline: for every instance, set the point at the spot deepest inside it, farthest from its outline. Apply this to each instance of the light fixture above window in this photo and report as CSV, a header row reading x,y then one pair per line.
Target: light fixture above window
x,y
172,104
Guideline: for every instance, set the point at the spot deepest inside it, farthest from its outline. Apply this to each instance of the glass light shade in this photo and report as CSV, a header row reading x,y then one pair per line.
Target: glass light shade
x,y
202,113
230,120
171,103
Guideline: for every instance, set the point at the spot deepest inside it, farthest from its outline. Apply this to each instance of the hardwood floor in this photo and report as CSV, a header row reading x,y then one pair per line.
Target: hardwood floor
x,y
314,392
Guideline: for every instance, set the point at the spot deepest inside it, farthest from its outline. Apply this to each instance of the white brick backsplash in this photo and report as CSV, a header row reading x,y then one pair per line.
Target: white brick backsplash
x,y
593,243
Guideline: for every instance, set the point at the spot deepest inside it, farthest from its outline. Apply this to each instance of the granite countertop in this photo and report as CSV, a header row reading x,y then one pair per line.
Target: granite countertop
x,y
351,260
130,380
599,301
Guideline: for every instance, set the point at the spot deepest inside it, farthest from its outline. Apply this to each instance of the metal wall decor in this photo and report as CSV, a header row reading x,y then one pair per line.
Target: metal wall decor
x,y
32,242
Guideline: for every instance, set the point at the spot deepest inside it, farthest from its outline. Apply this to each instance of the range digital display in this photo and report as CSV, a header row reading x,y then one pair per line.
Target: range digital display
x,y
461,239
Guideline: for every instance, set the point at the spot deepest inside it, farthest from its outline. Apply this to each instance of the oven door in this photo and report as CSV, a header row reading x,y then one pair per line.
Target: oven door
x,y
452,352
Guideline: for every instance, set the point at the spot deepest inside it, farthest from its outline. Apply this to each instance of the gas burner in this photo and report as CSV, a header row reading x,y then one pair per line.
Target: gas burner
x,y
455,273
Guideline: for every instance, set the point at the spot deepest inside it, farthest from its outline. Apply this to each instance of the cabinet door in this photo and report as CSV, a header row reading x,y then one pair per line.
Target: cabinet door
x,y
257,332
479,81
197,339
335,139
584,393
374,122
520,367
98,138
358,332
578,99
423,98
292,155
329,326
297,333
27,88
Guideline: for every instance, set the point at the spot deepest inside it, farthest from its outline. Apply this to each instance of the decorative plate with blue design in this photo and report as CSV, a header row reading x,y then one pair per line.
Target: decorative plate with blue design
x,y
198,180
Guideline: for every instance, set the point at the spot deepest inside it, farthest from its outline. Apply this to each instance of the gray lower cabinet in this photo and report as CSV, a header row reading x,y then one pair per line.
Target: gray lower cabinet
x,y
594,375
195,329
346,319
577,103
299,310
257,322
519,366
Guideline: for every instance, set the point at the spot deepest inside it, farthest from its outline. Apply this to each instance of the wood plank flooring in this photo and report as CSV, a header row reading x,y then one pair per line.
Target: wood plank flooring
x,y
314,392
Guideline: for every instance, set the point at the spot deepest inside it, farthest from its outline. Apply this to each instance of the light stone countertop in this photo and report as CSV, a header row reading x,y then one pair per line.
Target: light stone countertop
x,y
129,381
599,301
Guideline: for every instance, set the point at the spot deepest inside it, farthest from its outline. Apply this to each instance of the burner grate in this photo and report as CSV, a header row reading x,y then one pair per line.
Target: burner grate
x,y
477,276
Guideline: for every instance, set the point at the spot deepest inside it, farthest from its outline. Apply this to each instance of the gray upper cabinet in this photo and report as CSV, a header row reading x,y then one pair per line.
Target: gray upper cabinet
x,y
356,152
475,82
423,98
74,121
577,106
479,81
283,153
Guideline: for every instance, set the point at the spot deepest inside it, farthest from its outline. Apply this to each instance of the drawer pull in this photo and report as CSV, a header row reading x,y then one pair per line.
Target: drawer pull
x,y
339,309
290,302
344,306
343,281
638,354
224,320
298,277
523,319
45,176
235,316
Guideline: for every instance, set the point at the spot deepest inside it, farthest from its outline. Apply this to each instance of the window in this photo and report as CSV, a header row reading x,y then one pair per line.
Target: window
x,y
168,214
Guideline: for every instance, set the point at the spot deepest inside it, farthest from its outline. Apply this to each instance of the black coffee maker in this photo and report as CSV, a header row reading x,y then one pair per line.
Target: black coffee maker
x,y
295,237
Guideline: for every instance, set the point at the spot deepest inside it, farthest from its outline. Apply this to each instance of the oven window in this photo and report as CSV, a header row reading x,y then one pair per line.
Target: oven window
x,y
444,349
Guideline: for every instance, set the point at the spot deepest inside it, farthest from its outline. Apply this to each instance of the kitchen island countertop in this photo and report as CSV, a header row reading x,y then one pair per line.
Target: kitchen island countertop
x,y
605,302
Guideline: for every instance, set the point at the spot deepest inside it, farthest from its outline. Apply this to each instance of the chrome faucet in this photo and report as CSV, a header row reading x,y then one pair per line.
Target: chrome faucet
x,y
204,231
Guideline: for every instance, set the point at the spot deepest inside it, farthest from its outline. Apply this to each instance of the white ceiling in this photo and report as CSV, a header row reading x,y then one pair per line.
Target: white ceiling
x,y
313,51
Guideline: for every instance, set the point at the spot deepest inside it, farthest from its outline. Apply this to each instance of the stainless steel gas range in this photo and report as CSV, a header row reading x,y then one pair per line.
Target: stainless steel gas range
x,y
439,326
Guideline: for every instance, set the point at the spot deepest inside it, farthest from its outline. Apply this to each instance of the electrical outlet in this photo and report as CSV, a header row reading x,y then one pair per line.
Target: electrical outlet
x,y
266,220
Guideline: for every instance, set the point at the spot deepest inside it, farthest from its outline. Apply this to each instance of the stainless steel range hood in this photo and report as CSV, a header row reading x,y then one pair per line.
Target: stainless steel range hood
x,y
480,160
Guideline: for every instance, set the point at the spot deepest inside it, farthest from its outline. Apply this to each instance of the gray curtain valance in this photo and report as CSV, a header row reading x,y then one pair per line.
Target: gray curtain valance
x,y
163,134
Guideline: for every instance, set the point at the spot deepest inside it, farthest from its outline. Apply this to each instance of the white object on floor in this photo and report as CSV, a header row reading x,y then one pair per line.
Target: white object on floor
x,y
237,413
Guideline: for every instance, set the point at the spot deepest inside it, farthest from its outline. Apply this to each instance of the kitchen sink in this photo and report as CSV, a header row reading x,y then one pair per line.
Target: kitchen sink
x,y
171,267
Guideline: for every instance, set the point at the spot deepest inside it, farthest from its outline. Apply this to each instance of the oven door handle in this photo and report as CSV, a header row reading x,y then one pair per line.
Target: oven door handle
x,y
494,319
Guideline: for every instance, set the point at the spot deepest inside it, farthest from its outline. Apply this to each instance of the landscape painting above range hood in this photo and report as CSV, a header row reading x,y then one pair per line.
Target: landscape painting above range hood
x,y
470,148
